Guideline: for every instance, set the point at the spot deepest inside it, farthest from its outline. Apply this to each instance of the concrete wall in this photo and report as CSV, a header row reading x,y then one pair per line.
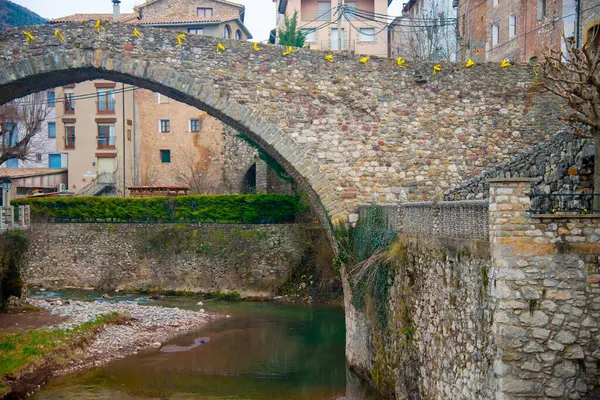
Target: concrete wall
x,y
253,260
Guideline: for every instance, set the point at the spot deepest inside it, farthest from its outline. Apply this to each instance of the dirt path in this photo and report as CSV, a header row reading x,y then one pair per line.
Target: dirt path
x,y
31,320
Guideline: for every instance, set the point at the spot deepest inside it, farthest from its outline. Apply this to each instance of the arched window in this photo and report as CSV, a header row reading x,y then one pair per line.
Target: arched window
x,y
238,35
227,32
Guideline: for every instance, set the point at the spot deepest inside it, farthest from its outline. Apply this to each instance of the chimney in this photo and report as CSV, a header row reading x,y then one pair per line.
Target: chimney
x,y
116,10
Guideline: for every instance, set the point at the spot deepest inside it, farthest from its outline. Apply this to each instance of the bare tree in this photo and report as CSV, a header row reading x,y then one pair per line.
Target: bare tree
x,y
575,77
193,171
29,113
429,35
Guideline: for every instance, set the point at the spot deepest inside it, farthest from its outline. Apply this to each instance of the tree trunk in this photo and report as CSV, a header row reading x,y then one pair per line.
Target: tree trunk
x,y
596,201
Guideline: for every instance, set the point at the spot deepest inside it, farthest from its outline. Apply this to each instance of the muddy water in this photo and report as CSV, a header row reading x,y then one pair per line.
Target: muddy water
x,y
264,351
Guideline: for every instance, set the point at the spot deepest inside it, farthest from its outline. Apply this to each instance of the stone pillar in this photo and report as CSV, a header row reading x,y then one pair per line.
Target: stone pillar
x,y
9,217
261,176
545,322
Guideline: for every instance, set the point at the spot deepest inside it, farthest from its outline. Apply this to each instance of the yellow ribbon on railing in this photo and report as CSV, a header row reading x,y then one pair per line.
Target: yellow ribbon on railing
x,y
255,47
469,63
136,33
505,63
28,36
220,47
401,62
180,38
437,68
364,60
329,57
59,35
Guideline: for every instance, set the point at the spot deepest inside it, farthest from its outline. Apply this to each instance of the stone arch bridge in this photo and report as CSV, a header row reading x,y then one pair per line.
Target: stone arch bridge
x,y
348,132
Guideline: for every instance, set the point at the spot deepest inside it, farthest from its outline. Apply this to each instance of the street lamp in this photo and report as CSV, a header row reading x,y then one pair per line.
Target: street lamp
x,y
6,185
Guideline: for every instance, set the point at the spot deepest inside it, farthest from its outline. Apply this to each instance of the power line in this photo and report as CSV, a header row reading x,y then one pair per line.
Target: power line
x,y
78,97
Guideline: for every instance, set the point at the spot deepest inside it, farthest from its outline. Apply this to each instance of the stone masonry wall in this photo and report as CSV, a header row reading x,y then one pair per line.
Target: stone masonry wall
x,y
252,260
437,343
545,285
561,164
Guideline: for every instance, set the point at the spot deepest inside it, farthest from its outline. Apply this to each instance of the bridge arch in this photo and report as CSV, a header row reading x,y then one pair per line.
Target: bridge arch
x,y
87,58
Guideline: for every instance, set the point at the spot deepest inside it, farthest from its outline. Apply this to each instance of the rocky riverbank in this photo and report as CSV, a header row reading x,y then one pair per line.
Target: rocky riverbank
x,y
147,327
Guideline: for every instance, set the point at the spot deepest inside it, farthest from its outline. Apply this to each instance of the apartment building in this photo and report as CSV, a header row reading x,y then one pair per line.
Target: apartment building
x,y
95,132
522,30
364,24
426,31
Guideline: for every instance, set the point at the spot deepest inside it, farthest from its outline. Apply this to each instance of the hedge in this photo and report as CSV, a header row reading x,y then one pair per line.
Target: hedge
x,y
250,209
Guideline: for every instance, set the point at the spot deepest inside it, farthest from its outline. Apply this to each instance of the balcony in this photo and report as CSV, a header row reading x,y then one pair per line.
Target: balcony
x,y
105,106
69,142
69,106
106,142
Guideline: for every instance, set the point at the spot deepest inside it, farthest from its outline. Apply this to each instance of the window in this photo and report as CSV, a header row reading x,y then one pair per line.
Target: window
x,y
106,136
227,32
310,34
69,101
541,9
238,35
129,133
12,163
334,39
366,35
495,33
165,156
194,125
512,25
69,136
162,99
205,12
324,11
38,157
495,2
164,126
106,101
52,130
350,10
51,98
54,161
196,31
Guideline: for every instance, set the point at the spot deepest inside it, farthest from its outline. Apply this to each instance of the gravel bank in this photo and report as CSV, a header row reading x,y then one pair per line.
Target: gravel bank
x,y
151,326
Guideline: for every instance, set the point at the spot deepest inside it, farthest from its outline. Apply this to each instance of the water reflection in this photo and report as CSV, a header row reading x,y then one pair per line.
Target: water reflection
x,y
263,352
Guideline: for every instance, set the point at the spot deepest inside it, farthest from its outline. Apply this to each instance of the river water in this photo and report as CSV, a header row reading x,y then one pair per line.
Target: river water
x,y
265,351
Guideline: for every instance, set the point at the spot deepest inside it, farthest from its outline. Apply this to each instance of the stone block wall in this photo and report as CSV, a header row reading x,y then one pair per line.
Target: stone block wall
x,y
561,164
253,260
547,318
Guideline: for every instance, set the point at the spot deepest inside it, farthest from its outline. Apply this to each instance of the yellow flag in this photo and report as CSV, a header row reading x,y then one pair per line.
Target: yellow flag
x,y
505,63
136,33
220,47
289,50
534,70
256,48
180,38
58,34
329,57
437,68
28,36
99,26
364,60
470,63
401,62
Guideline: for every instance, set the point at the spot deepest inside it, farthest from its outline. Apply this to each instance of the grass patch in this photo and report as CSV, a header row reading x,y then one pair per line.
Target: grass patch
x,y
24,309
22,353
228,296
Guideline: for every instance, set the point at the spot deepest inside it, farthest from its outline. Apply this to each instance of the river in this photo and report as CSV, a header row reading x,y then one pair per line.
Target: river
x,y
263,351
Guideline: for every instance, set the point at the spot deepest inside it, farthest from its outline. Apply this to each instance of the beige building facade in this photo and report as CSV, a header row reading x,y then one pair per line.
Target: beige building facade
x,y
96,134
364,26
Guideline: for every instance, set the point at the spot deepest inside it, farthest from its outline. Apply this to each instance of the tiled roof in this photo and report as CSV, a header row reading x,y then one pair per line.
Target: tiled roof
x,y
92,17
25,172
181,20
231,3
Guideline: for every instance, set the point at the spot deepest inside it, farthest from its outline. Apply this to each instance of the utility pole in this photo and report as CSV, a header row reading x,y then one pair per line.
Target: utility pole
x,y
339,28
468,26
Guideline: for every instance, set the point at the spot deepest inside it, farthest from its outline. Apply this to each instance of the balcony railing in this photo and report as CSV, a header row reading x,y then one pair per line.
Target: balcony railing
x,y
69,142
69,105
106,142
564,203
106,106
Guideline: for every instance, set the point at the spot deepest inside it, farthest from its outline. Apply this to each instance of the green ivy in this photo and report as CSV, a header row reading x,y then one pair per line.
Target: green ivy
x,y
250,209
270,161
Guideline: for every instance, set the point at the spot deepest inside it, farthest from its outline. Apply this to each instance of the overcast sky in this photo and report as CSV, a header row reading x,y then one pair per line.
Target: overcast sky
x,y
260,14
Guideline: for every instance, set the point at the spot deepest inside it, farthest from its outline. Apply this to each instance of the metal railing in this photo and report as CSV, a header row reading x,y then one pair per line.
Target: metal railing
x,y
106,142
570,203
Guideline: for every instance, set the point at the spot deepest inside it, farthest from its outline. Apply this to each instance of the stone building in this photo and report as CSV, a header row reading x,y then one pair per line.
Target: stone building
x,y
589,23
363,24
513,29
426,31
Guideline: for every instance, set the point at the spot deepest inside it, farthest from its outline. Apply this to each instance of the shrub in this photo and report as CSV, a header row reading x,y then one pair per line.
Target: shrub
x,y
251,209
